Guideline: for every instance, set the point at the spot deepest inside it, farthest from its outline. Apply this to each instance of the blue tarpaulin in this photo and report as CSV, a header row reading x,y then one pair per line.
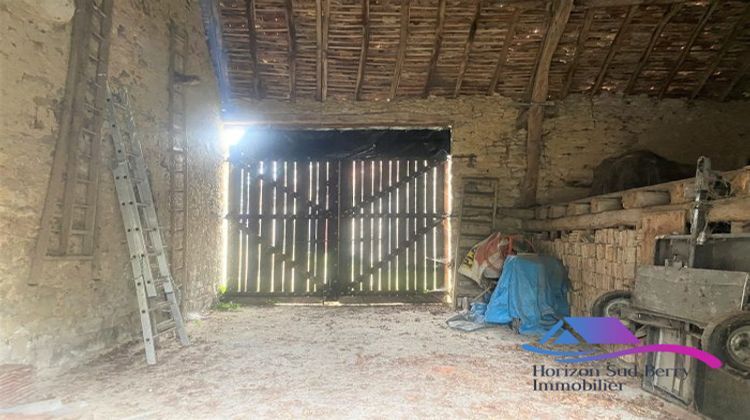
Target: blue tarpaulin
x,y
532,289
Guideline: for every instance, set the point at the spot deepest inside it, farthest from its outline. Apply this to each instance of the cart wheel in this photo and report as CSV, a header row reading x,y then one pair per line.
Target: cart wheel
x,y
728,338
611,304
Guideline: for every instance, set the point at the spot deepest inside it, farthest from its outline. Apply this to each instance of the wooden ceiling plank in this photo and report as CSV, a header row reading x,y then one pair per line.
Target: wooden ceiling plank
x,y
467,47
666,18
582,37
322,11
727,44
435,47
540,89
363,50
403,39
689,46
292,48
503,57
744,69
616,42
253,46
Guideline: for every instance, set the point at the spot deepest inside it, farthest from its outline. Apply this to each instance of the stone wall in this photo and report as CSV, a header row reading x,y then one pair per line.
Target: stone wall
x,y
77,310
597,262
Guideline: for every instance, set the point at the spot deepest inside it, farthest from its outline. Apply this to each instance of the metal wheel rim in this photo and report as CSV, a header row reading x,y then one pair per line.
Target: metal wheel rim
x,y
738,346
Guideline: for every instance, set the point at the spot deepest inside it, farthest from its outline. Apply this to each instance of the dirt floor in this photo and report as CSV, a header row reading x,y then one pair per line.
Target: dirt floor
x,y
337,362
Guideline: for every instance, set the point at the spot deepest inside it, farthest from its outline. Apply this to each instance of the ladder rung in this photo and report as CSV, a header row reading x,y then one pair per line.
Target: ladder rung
x,y
97,36
94,58
98,10
83,180
165,325
80,231
161,306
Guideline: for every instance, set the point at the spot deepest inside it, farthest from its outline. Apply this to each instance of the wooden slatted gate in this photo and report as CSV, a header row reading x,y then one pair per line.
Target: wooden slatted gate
x,y
337,227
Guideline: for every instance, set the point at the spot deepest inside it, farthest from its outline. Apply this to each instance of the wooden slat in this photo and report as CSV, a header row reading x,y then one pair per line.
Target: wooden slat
x,y
655,36
253,206
303,229
727,44
363,50
562,9
402,44
402,234
616,42
436,46
277,239
266,230
503,57
689,46
467,47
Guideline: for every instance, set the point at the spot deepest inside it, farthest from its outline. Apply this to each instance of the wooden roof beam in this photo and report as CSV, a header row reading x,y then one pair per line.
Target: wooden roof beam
x,y
540,89
744,69
593,4
467,47
292,48
435,47
689,46
613,49
253,46
583,35
322,11
363,50
673,10
726,45
503,57
403,38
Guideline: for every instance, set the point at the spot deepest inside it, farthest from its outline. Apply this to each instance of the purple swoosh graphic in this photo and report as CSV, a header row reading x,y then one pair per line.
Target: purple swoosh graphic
x,y
707,358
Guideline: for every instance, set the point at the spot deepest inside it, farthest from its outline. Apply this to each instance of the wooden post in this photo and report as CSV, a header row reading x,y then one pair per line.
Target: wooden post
x,y
540,88
233,231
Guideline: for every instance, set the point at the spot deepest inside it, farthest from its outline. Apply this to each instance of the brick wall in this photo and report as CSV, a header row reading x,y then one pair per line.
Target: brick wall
x,y
597,262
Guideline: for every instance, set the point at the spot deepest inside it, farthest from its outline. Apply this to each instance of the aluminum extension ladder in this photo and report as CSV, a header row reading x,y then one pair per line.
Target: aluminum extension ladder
x,y
157,301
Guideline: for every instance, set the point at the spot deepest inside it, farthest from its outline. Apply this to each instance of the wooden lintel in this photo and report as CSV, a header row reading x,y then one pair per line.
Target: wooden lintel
x,y
744,69
726,45
403,38
363,50
616,42
467,47
668,15
582,37
253,46
540,89
435,47
292,48
689,46
510,34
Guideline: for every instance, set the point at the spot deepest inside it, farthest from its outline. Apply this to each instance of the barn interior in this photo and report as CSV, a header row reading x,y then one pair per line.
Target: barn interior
x,y
253,208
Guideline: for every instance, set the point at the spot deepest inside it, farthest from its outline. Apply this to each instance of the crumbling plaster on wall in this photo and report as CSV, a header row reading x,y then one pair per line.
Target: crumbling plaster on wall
x,y
77,310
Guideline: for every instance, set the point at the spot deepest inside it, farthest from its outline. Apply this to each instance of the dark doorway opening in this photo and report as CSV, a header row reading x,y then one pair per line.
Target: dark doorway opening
x,y
336,213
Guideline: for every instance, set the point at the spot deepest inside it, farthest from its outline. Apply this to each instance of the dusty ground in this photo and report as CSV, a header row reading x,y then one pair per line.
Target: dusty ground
x,y
337,362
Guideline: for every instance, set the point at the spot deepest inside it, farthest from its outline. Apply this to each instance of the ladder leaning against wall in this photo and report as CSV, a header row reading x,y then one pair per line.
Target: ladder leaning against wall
x,y
158,305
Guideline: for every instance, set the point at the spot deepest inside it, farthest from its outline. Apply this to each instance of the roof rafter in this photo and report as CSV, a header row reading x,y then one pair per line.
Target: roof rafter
x,y
503,57
727,44
292,44
582,37
689,46
740,74
467,47
435,47
403,38
322,10
363,50
253,45
668,15
616,42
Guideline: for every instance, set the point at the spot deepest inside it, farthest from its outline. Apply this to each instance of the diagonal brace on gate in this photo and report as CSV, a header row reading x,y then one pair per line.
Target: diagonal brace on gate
x,y
404,244
306,203
278,252
381,194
